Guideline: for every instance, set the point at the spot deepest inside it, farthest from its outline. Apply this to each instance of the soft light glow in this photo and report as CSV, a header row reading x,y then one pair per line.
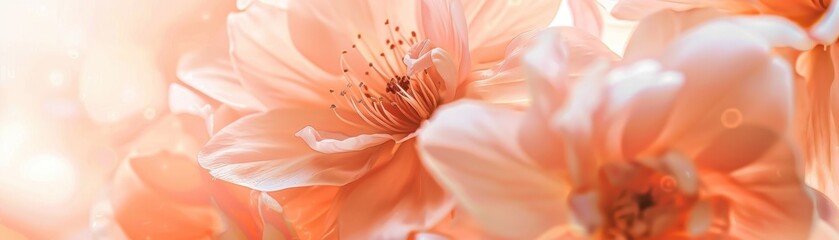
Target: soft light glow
x,y
57,79
12,135
49,176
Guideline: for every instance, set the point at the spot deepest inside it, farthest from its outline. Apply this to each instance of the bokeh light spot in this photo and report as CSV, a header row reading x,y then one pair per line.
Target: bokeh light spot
x,y
731,118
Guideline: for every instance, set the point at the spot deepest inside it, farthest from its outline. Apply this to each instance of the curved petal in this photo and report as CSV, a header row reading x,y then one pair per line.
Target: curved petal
x,y
183,100
182,208
760,195
493,24
587,16
272,68
262,152
311,211
826,210
210,72
705,57
329,145
443,66
505,82
411,200
638,9
654,33
820,109
564,76
639,101
460,225
776,31
274,223
555,63
826,30
472,150
237,204
444,23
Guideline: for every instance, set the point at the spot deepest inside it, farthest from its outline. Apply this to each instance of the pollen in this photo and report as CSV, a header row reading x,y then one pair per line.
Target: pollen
x,y
384,97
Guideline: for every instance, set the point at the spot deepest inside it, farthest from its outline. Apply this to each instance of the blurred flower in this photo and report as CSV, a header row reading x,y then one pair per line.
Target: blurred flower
x,y
816,69
160,191
671,142
345,86
78,80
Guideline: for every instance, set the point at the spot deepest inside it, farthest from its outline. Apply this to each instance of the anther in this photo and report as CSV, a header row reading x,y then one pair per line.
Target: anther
x,y
359,37
331,91
397,28
387,21
413,34
346,70
400,43
333,106
345,52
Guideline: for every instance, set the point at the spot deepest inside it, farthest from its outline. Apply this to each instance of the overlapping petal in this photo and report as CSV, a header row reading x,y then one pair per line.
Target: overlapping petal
x,y
466,154
494,24
263,151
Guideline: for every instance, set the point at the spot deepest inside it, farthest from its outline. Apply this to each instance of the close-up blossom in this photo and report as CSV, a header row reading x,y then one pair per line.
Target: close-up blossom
x,y
419,119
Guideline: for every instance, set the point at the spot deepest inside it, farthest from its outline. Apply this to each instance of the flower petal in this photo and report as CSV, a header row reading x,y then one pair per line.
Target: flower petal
x,y
471,149
555,62
587,16
444,23
826,30
272,68
183,100
638,9
639,102
182,208
505,82
819,69
654,33
760,195
563,75
274,223
329,145
311,211
777,31
741,94
209,71
493,24
411,200
262,152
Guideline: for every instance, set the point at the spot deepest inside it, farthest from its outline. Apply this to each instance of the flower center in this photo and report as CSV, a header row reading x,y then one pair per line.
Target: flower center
x,y
645,204
379,89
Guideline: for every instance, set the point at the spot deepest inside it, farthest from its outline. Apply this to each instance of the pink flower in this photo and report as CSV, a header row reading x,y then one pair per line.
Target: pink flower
x,y
160,191
344,87
816,68
687,137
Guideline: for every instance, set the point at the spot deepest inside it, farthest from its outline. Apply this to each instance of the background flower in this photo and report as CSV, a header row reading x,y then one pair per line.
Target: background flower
x,y
582,140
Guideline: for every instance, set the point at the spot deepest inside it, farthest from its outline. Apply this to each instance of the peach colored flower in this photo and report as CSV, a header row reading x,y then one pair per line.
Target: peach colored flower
x,y
159,191
344,86
687,137
816,69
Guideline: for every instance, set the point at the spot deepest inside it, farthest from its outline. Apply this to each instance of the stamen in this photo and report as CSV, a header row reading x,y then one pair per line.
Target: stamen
x,y
389,99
